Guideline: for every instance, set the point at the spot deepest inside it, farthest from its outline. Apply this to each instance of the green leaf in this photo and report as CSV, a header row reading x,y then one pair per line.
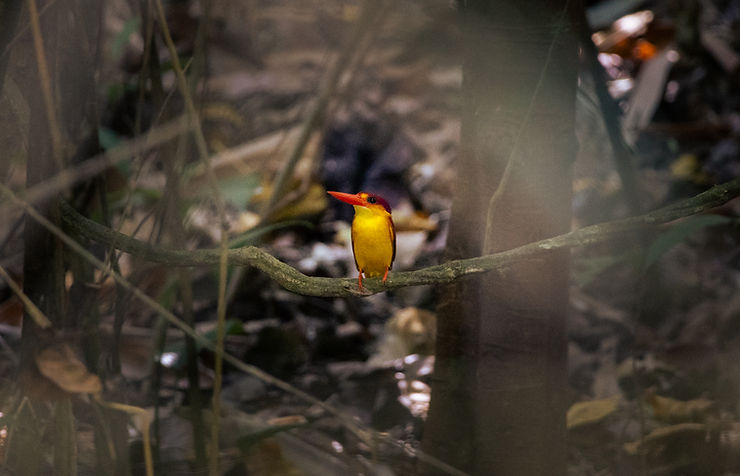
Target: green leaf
x,y
108,138
115,92
145,196
585,270
678,233
121,38
239,190
232,327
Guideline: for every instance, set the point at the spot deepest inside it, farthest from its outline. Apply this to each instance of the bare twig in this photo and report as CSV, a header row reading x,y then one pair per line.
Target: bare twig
x,y
41,320
368,436
508,169
5,51
200,139
144,420
611,113
46,90
204,155
70,176
174,163
9,14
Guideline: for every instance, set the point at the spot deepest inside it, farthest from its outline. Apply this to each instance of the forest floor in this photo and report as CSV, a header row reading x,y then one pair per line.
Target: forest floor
x,y
654,337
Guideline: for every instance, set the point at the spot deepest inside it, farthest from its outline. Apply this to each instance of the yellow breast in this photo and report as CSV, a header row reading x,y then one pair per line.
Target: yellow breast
x,y
373,241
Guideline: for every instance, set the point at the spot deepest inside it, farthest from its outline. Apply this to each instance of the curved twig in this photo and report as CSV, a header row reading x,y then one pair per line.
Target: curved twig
x,y
292,279
297,282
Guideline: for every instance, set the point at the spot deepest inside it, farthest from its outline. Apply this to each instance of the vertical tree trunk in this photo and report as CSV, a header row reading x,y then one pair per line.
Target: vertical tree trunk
x,y
9,12
498,398
42,281
70,43
42,278
69,32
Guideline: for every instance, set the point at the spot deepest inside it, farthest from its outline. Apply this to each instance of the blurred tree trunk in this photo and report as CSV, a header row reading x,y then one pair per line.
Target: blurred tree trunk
x,y
43,279
69,31
498,395
43,276
9,12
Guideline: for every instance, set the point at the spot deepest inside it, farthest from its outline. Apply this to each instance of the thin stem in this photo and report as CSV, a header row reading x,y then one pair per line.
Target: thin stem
x,y
4,52
508,169
182,84
9,14
89,168
39,318
219,361
203,153
45,79
144,423
623,155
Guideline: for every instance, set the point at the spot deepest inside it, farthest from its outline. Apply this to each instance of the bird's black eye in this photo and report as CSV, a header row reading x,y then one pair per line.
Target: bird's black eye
x,y
371,199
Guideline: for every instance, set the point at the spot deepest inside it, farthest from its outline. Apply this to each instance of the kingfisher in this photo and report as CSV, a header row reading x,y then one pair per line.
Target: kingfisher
x,y
373,234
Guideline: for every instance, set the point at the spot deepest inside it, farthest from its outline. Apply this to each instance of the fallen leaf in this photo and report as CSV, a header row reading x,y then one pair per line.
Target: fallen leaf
x,y
688,434
410,331
672,410
414,221
310,202
266,457
60,365
585,413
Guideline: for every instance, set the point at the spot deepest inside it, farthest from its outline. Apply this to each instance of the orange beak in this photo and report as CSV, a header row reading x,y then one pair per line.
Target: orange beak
x,y
351,198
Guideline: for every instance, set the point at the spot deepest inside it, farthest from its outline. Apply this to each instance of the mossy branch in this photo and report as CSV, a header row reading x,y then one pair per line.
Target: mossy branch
x,y
369,436
297,282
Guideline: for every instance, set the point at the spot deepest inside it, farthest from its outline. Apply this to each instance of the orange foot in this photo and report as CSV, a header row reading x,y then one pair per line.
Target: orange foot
x,y
359,281
385,276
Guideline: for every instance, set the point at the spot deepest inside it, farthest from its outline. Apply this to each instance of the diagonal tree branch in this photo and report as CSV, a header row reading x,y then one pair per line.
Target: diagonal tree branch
x,y
297,282
369,436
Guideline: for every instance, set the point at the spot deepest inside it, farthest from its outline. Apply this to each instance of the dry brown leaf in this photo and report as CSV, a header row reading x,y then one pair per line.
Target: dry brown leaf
x,y
60,365
11,311
674,411
288,420
683,433
410,331
415,221
584,413
267,458
310,202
